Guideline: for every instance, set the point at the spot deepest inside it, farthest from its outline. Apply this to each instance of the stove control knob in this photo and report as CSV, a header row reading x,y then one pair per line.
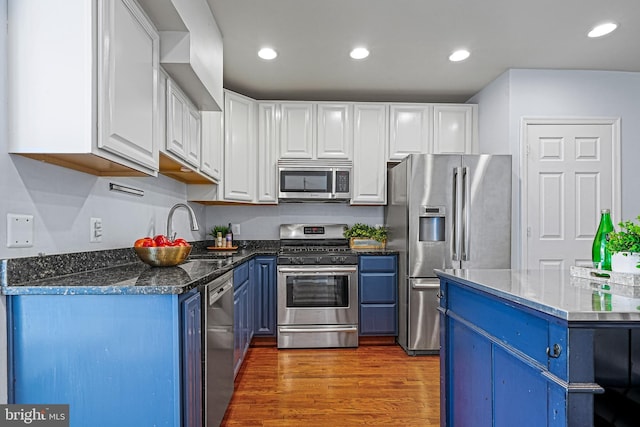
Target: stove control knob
x,y
319,260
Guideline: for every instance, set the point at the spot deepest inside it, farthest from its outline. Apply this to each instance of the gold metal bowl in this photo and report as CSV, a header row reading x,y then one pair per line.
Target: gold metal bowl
x,y
166,256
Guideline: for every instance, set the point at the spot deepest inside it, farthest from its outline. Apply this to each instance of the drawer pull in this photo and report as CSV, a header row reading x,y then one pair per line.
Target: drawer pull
x,y
555,352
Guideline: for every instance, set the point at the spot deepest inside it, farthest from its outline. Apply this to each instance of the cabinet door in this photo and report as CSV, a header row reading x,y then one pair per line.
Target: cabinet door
x,y
335,136
177,133
251,301
410,130
454,129
296,130
369,154
515,380
193,124
265,319
237,331
211,155
468,362
191,355
128,83
239,148
267,157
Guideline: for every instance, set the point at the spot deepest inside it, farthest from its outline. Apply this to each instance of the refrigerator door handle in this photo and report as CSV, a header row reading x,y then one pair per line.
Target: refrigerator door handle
x,y
466,209
457,213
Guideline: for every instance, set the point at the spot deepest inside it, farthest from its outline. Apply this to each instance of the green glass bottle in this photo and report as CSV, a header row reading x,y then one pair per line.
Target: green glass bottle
x,y
600,256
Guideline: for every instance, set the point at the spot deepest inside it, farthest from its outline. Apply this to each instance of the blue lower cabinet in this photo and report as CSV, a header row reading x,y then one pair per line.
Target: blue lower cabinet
x,y
191,355
117,360
378,294
265,296
241,314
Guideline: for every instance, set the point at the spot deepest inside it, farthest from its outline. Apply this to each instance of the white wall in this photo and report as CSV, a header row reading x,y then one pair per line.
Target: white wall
x,y
3,139
262,222
517,94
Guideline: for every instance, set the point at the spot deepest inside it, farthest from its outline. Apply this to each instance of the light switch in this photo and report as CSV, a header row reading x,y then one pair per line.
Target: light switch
x,y
19,231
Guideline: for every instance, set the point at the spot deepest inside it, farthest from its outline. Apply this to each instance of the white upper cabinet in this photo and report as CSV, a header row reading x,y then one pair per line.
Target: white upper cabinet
x,y
55,68
335,137
455,128
127,77
297,130
410,130
267,183
315,130
239,148
369,154
183,126
212,141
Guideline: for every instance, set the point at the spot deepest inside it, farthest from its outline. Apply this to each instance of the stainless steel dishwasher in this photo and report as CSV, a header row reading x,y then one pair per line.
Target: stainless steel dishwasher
x,y
218,344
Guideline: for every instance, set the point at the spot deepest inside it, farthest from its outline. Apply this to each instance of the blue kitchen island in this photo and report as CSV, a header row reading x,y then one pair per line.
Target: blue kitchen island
x,y
538,348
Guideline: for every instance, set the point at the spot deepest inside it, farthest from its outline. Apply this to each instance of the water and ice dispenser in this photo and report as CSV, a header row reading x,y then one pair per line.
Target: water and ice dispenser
x,y
432,224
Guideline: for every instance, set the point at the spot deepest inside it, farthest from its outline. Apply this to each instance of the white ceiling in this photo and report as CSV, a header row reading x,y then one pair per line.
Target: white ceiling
x,y
410,42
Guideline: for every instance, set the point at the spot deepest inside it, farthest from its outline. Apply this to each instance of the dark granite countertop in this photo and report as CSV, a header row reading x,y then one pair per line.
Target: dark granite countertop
x,y
119,271
116,272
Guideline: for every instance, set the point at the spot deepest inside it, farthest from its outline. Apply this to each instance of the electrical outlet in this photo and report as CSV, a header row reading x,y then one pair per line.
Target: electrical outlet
x,y
235,229
19,231
95,231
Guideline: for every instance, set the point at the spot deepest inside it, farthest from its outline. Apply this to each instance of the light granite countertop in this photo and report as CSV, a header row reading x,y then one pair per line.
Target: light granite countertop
x,y
556,293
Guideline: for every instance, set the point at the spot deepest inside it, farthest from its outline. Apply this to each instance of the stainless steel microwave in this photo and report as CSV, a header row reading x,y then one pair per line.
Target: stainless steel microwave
x,y
314,181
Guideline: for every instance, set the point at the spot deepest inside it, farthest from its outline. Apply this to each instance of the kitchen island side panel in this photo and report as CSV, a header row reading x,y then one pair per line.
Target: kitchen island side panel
x,y
113,358
504,364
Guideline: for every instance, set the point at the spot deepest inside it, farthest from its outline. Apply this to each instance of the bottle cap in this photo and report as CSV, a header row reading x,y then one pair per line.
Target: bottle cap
x,y
604,211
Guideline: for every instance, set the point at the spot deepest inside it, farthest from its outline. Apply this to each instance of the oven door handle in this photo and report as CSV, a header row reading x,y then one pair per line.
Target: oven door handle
x,y
330,329
311,270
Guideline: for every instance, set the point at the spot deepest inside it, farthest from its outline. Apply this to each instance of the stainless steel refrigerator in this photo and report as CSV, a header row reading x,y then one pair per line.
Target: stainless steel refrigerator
x,y
444,211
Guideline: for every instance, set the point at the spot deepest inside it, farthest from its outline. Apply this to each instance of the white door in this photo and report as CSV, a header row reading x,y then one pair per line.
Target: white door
x,y
571,172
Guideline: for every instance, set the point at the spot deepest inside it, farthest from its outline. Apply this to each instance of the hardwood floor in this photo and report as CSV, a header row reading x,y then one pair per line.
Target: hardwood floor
x,y
369,385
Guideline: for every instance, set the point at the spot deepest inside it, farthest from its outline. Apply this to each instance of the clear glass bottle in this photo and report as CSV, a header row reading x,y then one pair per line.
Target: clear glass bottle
x,y
600,256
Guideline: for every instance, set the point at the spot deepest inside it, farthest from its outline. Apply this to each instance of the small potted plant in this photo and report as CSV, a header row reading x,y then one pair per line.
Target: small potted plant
x,y
624,246
223,230
363,236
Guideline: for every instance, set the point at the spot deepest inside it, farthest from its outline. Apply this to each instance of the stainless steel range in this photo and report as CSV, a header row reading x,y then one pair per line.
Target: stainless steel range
x,y
317,287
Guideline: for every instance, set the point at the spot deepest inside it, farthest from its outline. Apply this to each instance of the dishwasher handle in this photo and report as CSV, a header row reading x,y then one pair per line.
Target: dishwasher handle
x,y
217,293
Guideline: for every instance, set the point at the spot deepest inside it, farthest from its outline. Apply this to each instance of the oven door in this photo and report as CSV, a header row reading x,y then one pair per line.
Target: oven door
x,y
317,295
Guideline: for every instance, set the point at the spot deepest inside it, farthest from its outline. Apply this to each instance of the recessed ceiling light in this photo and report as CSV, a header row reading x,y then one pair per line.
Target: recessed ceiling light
x,y
359,53
459,55
602,29
267,53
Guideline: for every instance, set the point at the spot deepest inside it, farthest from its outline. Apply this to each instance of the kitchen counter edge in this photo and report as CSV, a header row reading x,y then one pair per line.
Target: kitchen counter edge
x,y
562,297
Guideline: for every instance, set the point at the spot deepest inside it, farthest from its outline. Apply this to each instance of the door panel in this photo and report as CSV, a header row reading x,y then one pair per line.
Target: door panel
x,y
569,179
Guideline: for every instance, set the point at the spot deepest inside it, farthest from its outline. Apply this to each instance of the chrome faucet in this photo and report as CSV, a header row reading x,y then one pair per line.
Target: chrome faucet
x,y
192,219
